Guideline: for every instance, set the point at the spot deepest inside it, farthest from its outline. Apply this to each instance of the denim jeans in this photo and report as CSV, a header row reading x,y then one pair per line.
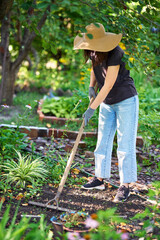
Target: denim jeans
x,y
123,117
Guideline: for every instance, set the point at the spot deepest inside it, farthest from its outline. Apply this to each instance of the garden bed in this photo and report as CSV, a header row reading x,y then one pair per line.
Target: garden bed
x,y
74,198
53,119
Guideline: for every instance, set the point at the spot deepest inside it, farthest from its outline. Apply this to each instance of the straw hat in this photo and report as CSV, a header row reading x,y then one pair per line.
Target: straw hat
x,y
101,41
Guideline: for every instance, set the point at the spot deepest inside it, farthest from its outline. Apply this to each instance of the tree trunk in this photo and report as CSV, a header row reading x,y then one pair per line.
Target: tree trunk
x,y
5,62
10,69
7,91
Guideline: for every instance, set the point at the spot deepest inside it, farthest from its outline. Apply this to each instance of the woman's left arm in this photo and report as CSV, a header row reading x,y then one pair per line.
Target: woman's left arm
x,y
111,76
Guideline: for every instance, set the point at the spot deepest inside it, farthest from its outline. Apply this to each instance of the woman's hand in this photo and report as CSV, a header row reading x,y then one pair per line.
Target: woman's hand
x,y
87,115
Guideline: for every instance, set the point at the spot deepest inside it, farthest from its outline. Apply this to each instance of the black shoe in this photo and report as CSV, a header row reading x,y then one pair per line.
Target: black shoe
x,y
122,194
94,183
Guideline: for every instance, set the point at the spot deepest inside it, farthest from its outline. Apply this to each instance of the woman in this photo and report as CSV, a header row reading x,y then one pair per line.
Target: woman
x,y
118,103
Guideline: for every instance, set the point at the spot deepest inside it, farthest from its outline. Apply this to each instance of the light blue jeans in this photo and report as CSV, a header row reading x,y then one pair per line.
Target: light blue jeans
x,y
123,117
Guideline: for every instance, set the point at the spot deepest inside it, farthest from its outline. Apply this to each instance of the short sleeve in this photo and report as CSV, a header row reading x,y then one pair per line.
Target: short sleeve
x,y
115,57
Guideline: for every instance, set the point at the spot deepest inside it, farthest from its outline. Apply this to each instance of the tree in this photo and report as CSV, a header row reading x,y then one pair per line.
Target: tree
x,y
10,68
52,25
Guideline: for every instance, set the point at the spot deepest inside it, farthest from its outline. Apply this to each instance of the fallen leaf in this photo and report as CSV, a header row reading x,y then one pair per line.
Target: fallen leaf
x,y
157,150
50,184
19,196
24,204
109,185
75,170
2,199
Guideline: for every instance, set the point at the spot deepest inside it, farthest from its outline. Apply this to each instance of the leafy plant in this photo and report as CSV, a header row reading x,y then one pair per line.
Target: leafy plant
x,y
149,107
25,170
65,107
11,139
90,143
74,219
58,169
24,229
150,217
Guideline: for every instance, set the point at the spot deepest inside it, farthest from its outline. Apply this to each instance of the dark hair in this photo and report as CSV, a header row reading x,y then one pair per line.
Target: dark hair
x,y
96,57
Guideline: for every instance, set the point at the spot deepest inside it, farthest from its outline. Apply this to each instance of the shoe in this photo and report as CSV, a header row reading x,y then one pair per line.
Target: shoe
x,y
94,183
122,194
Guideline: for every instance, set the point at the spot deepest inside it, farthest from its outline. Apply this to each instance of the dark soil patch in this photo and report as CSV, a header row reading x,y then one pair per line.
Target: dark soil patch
x,y
73,197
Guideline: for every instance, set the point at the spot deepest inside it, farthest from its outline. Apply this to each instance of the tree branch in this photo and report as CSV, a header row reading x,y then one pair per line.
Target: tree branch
x,y
28,41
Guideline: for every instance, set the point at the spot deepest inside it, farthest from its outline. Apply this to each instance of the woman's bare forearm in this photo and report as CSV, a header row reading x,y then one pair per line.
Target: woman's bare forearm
x,y
111,77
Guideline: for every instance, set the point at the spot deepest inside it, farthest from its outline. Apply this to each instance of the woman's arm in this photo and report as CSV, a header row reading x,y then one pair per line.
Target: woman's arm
x,y
92,79
111,76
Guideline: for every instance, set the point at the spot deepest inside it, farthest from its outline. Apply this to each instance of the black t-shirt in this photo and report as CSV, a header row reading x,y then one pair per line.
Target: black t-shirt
x,y
124,86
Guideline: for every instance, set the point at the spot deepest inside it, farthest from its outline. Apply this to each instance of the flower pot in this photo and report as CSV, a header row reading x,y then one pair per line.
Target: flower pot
x,y
58,230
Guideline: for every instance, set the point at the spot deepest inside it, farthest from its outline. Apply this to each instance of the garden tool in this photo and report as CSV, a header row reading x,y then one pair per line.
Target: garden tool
x,y
71,158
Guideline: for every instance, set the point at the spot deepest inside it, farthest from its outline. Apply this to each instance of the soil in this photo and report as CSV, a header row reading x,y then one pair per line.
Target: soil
x,y
90,201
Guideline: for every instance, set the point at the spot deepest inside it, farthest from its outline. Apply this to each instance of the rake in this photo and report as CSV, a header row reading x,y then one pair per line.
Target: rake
x,y
65,175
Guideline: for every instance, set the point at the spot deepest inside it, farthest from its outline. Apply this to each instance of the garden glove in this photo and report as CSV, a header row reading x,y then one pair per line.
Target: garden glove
x,y
92,93
88,114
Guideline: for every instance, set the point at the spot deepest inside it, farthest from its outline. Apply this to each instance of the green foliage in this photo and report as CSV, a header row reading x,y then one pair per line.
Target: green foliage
x,y
149,107
108,220
25,170
11,139
65,107
90,143
57,171
150,216
24,229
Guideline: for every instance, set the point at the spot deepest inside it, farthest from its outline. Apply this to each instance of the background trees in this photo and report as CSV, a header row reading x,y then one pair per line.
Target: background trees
x,y
39,31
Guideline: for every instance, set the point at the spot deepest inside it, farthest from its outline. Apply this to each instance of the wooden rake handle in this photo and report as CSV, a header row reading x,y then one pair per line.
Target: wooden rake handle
x,y
71,158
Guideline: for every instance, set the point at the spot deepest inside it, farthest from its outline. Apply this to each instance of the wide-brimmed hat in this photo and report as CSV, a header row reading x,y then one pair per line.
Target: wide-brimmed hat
x,y
96,39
